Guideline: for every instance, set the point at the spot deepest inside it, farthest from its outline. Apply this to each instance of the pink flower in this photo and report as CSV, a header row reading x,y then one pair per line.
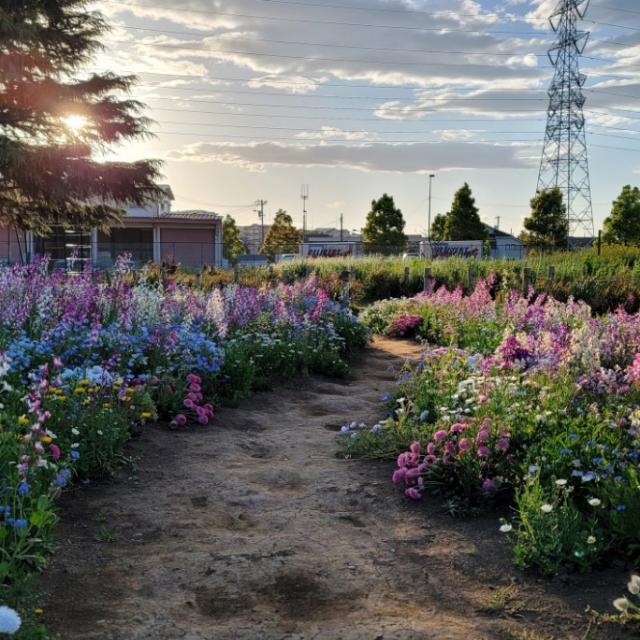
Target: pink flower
x,y
57,362
192,378
55,451
399,475
431,448
413,493
195,387
440,435
402,460
189,403
482,436
502,444
458,427
483,451
450,448
464,445
209,409
181,419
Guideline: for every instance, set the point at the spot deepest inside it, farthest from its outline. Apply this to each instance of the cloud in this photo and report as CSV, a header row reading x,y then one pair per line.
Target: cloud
x,y
415,158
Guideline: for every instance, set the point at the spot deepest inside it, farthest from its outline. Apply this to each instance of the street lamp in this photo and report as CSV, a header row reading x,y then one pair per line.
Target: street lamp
x,y
431,177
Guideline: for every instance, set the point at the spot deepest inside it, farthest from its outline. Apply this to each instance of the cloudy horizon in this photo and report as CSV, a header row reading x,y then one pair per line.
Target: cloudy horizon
x,y
253,98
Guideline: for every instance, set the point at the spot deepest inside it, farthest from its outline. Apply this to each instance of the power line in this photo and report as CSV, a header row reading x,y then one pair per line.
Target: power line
x,y
326,22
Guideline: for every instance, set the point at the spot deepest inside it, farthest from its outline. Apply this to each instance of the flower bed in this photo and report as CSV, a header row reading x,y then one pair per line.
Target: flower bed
x,y
84,362
525,405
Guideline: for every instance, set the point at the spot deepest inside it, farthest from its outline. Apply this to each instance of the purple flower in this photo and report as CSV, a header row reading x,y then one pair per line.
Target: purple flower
x,y
489,486
440,435
413,493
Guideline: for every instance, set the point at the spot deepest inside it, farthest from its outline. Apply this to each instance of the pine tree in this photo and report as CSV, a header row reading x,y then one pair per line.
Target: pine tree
x,y
52,119
623,225
547,226
233,245
283,237
463,222
384,229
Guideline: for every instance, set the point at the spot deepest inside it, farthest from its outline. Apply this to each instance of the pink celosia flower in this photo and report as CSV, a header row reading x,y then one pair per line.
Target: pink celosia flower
x,y
502,444
464,445
413,493
440,435
483,451
55,451
399,475
181,419
458,427
415,447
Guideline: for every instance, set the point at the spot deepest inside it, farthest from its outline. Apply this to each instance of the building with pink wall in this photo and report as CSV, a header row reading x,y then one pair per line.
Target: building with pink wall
x,y
150,233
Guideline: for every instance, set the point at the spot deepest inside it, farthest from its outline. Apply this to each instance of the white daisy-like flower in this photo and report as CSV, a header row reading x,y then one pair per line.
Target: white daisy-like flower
x,y
546,508
561,482
506,528
9,620
594,502
591,540
621,604
634,585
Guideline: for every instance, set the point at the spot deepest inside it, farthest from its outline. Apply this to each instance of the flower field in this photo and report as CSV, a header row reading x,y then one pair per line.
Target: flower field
x,y
525,406
86,362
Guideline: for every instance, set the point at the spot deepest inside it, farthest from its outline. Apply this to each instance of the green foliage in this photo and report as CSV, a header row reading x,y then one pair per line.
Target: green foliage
x,y
547,226
233,245
283,237
384,229
439,227
462,221
48,175
623,224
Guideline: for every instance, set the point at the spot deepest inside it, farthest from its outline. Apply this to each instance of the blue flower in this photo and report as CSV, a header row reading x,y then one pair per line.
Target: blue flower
x,y
588,476
23,488
565,452
424,415
385,397
576,474
573,436
75,455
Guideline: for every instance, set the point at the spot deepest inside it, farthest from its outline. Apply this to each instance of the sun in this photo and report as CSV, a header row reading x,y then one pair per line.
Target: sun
x,y
75,123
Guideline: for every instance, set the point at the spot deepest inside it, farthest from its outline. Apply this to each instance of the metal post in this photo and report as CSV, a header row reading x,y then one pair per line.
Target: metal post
x,y
600,242
431,177
345,277
526,281
428,280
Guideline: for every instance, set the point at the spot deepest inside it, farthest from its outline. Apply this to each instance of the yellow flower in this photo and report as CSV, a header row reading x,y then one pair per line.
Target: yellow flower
x,y
106,405
23,420
46,439
145,415
62,398
86,402
117,383
84,382
38,611
79,390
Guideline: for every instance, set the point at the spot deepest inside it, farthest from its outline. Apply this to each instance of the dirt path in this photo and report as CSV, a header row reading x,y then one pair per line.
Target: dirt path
x,y
255,530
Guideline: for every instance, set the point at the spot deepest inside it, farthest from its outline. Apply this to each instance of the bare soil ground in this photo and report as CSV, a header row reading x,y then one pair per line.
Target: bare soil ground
x,y
254,529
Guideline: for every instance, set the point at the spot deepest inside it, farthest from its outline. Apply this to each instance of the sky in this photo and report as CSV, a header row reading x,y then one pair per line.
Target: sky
x,y
253,98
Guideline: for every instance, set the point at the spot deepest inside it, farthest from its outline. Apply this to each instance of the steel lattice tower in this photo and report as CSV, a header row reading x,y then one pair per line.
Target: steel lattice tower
x,y
565,162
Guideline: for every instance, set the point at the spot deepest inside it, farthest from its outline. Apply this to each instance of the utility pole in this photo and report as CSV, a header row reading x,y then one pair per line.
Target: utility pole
x,y
431,177
341,227
304,194
260,212
498,222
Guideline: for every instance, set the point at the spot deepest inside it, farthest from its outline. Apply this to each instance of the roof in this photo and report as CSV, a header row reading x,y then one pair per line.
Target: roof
x,y
191,214
497,233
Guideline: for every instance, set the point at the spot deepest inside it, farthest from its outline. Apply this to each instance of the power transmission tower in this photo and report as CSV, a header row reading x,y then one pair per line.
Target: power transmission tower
x,y
304,194
565,162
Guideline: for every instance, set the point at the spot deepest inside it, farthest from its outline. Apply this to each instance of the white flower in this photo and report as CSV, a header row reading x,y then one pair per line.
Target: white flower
x,y
561,482
594,502
546,508
634,585
506,528
591,540
621,604
9,620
